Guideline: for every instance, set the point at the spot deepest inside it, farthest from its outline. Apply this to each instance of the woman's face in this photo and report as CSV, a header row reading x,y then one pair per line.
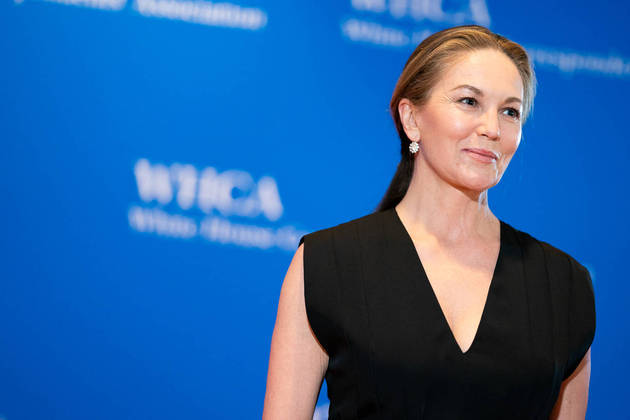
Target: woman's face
x,y
475,105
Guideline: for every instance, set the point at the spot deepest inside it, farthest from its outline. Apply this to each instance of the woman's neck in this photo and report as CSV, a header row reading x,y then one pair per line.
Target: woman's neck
x,y
435,208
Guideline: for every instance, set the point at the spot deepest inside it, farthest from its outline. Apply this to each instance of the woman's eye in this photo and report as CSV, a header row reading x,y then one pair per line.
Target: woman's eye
x,y
473,100
514,113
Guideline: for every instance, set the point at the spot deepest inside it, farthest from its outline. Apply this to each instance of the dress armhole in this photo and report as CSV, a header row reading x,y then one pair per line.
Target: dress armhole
x,y
318,296
581,315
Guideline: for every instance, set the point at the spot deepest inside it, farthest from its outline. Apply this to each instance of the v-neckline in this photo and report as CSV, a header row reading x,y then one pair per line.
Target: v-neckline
x,y
425,278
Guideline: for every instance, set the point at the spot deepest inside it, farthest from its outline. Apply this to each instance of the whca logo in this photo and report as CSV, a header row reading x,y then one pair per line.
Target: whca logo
x,y
180,200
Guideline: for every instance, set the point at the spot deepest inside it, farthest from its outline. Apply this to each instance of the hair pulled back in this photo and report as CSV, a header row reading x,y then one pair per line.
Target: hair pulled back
x,y
429,61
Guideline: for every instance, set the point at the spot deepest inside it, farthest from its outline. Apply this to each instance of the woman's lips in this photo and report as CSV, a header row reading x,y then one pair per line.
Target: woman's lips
x,y
482,155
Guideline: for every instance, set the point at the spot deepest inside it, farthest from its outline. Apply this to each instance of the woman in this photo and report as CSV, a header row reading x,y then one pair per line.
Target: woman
x,y
432,307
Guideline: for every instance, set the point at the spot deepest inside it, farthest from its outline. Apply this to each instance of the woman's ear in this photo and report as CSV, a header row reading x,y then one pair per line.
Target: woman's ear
x,y
408,119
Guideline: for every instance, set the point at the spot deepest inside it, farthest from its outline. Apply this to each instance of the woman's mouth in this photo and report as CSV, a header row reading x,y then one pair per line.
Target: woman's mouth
x,y
482,155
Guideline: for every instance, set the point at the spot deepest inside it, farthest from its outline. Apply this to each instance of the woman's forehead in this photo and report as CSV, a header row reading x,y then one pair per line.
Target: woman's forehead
x,y
492,72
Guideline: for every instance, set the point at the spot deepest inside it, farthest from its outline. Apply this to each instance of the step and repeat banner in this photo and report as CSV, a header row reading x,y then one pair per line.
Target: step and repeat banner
x,y
161,158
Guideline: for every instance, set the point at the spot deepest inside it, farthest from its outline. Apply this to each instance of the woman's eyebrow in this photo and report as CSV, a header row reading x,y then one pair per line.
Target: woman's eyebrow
x,y
480,93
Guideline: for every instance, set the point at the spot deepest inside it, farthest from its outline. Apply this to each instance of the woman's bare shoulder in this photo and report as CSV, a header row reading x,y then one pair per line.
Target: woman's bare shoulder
x,y
297,362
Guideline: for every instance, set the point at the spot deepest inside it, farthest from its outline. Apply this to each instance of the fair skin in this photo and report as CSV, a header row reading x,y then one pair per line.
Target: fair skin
x,y
446,212
297,362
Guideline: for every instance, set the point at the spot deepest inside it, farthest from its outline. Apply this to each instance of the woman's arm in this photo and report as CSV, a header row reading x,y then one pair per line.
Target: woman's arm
x,y
573,398
297,362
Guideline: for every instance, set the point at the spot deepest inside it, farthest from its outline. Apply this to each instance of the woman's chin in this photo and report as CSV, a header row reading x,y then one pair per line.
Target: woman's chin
x,y
479,185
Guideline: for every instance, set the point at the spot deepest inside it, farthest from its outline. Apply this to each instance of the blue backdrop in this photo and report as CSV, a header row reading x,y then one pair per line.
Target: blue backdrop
x,y
161,159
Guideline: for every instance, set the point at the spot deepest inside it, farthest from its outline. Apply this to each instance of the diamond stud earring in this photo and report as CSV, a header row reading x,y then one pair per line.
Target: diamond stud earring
x,y
413,147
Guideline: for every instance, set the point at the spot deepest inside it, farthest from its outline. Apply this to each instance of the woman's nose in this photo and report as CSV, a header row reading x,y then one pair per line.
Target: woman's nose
x,y
489,126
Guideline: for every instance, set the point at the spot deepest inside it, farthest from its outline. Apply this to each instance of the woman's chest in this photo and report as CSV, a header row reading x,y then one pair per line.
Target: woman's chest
x,y
428,322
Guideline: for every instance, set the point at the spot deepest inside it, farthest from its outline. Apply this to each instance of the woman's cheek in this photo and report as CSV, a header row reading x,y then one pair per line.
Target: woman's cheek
x,y
461,126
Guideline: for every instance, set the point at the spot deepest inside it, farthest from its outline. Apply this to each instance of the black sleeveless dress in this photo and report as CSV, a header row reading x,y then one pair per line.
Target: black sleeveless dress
x,y
392,354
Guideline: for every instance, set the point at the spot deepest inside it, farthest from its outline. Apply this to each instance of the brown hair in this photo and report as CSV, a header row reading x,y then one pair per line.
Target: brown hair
x,y
429,61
